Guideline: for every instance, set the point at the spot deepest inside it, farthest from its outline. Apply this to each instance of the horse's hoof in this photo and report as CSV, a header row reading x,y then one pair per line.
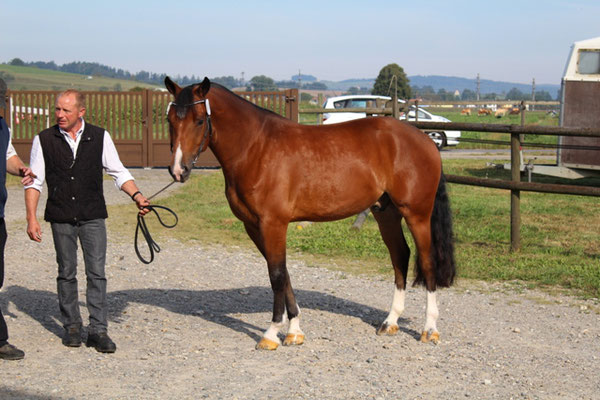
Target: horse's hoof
x,y
267,344
433,337
386,329
293,339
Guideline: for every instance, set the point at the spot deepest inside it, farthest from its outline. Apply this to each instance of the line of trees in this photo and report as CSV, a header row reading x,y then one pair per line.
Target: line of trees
x,y
260,82
391,77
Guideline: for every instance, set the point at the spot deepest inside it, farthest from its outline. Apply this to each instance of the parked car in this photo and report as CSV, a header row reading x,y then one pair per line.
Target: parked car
x,y
441,138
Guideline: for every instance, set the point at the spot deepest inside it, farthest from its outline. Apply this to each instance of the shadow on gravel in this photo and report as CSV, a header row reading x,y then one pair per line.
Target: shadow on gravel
x,y
40,305
21,395
217,306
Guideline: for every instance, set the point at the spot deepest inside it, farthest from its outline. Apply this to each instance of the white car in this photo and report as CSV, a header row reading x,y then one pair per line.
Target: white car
x,y
441,138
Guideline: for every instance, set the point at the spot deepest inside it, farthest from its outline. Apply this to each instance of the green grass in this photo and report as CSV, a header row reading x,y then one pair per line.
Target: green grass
x,y
31,78
560,235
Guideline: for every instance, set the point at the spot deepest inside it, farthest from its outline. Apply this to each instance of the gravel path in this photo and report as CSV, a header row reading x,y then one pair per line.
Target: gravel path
x,y
187,324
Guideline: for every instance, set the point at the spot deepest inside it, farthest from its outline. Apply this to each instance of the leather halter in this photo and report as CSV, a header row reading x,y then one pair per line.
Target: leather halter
x,y
207,129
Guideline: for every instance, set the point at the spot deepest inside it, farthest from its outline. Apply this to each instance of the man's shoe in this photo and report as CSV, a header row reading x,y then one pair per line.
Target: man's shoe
x,y
72,337
10,352
101,342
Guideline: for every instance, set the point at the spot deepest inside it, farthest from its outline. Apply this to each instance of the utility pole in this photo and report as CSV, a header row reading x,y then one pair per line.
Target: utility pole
x,y
533,94
242,78
478,86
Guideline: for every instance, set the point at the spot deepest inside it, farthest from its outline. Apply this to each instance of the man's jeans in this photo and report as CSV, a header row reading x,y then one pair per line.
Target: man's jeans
x,y
92,235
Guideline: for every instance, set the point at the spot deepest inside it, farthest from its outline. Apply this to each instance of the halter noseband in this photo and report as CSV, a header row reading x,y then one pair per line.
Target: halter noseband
x,y
207,129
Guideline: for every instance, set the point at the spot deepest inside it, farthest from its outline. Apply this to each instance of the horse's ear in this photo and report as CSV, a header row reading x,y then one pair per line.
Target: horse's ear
x,y
205,86
172,87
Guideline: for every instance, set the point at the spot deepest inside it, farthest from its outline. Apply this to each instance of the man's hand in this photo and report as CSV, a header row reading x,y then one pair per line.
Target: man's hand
x,y
34,231
28,176
141,201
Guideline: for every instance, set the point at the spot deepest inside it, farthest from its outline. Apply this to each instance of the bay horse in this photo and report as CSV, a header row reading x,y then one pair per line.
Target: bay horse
x,y
278,171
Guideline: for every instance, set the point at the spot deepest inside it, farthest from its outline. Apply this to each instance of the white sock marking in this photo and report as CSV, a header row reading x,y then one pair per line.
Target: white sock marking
x,y
397,307
431,313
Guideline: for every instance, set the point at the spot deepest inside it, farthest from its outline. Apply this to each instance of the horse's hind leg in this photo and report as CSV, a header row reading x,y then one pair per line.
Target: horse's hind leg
x,y
421,231
389,220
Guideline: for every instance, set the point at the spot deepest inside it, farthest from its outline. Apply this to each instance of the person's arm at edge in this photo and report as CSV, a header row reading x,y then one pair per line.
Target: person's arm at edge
x,y
34,230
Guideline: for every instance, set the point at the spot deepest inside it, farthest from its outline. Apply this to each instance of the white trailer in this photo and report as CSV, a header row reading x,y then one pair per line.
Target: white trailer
x,y
579,108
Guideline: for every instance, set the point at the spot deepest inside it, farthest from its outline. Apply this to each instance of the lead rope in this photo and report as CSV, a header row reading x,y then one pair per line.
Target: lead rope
x,y
141,226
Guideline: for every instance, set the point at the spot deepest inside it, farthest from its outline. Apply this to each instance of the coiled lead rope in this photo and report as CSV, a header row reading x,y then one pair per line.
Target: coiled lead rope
x,y
153,247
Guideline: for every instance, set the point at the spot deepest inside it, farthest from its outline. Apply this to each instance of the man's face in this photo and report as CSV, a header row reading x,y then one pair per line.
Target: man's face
x,y
68,112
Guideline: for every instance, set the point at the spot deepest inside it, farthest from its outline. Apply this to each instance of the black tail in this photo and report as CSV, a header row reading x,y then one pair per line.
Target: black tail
x,y
442,240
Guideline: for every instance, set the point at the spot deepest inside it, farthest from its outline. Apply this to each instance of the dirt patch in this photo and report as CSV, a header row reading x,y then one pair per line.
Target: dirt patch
x,y
186,326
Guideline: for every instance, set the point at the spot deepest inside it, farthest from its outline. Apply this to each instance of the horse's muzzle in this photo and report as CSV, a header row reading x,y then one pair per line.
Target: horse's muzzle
x,y
181,176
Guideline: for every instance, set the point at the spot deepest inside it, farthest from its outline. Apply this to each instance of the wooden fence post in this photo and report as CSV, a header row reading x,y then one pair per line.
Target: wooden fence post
x,y
292,100
146,128
515,195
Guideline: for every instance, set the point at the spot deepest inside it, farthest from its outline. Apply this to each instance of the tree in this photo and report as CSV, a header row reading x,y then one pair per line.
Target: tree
x,y
515,94
17,62
315,86
228,81
468,94
543,95
382,85
261,83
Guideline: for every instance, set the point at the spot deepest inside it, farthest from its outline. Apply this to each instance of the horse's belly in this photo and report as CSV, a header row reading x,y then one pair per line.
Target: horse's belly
x,y
328,201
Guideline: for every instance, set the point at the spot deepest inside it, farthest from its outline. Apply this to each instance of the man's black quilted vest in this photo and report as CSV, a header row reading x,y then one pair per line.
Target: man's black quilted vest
x,y
74,186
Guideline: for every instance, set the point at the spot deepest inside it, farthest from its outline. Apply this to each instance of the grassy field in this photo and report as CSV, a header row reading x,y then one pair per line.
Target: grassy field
x,y
560,234
531,118
30,78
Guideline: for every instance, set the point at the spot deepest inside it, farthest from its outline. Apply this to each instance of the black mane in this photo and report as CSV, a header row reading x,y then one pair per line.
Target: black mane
x,y
185,98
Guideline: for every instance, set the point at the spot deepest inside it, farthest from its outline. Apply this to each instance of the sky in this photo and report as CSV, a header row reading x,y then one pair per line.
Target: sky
x,y
513,41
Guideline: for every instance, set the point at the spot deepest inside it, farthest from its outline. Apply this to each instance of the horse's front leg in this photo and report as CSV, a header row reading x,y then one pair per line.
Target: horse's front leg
x,y
272,241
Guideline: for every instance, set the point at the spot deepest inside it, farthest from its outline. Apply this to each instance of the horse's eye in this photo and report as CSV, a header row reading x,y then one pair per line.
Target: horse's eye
x,y
200,122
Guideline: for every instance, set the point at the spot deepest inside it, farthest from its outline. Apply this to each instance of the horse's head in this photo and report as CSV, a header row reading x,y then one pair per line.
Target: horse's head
x,y
190,127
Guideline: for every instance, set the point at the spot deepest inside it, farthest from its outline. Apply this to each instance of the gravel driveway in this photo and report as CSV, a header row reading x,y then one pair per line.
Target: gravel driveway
x,y
187,324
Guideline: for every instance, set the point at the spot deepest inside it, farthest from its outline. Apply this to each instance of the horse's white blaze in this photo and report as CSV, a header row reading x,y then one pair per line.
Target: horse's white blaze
x,y
431,313
176,167
397,307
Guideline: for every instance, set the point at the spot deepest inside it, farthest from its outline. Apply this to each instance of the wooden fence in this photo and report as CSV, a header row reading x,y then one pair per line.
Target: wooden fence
x,y
136,120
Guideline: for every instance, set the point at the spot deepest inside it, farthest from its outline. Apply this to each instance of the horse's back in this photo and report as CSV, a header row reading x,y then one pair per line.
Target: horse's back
x,y
386,138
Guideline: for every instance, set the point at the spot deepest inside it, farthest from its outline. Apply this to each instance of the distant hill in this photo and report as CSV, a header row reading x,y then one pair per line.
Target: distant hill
x,y
32,78
348,83
450,84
